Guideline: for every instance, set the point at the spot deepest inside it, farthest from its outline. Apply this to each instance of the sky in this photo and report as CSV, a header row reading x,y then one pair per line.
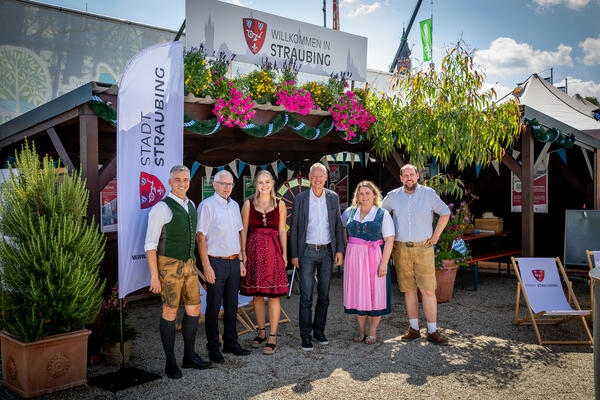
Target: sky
x,y
511,39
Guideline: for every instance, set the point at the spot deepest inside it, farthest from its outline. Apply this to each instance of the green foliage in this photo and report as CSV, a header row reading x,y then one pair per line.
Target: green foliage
x,y
446,185
49,254
459,217
444,114
196,72
259,84
593,100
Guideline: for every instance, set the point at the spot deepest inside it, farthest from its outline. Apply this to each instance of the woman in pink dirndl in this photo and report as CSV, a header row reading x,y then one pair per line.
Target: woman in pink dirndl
x,y
264,248
366,277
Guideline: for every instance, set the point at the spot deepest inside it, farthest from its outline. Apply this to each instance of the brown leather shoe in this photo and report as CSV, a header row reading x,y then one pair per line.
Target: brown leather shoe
x,y
436,338
412,334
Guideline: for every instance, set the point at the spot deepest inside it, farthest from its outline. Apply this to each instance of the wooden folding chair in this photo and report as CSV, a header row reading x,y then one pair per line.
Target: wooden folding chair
x,y
244,312
539,280
593,258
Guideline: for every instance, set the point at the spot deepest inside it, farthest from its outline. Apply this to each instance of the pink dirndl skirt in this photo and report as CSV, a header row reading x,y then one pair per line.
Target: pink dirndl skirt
x,y
363,289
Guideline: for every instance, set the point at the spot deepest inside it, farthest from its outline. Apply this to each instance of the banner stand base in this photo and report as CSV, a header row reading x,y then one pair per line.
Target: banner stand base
x,y
124,378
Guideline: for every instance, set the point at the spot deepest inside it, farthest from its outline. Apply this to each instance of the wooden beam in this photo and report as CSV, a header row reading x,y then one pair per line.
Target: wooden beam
x,y
108,172
596,180
59,119
527,173
60,149
88,151
512,164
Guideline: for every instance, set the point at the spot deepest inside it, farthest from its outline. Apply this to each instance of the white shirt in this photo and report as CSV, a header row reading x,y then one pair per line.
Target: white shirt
x,y
387,225
413,212
160,215
220,221
317,230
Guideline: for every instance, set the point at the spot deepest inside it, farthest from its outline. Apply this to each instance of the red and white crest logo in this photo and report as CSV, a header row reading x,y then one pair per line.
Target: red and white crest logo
x,y
538,274
255,32
151,190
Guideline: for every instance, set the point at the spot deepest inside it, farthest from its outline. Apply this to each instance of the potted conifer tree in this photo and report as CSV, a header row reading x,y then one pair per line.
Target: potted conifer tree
x,y
49,261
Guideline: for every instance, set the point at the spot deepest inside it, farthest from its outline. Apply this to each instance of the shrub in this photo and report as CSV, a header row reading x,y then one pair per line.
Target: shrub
x,y
50,253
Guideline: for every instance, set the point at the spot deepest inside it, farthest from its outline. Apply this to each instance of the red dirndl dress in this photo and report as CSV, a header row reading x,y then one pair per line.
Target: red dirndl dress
x,y
265,270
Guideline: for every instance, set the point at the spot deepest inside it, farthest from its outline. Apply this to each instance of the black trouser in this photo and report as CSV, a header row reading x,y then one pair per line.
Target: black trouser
x,y
322,261
225,290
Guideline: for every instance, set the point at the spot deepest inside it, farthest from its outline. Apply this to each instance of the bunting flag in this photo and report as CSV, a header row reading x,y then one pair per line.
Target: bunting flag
x,y
208,171
325,162
290,173
366,158
344,155
496,167
195,167
263,167
275,169
460,246
361,159
233,167
280,167
477,170
562,153
241,166
332,155
515,154
252,171
221,168
352,160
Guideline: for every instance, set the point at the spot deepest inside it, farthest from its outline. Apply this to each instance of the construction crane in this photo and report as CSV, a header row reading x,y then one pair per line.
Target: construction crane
x,y
398,56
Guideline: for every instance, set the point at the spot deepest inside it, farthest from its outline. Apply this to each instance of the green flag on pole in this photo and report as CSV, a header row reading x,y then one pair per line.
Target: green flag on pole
x,y
426,30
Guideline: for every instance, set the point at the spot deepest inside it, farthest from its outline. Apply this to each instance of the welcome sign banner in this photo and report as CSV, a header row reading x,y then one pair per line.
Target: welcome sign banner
x,y
253,35
149,143
426,38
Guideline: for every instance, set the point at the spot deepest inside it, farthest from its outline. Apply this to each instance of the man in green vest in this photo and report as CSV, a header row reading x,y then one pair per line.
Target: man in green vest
x,y
170,243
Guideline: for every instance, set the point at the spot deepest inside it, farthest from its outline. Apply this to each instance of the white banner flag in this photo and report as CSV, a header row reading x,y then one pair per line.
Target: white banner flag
x,y
149,143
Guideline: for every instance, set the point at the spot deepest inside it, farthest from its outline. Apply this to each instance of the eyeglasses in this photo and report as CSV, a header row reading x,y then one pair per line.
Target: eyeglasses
x,y
226,184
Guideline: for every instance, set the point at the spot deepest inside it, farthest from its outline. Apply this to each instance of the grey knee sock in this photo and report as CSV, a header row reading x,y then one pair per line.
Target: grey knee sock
x,y
189,328
167,336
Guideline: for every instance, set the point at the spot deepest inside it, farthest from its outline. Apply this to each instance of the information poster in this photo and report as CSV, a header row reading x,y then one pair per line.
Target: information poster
x,y
207,187
108,206
338,182
249,188
540,192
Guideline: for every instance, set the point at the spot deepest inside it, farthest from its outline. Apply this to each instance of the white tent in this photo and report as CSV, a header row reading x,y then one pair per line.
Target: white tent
x,y
553,108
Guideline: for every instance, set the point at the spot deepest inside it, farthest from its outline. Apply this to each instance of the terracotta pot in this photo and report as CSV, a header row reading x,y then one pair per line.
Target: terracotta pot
x,y
112,352
54,363
445,281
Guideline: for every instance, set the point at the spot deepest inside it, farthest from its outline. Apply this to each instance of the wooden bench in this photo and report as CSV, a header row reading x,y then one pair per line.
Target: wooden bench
x,y
492,255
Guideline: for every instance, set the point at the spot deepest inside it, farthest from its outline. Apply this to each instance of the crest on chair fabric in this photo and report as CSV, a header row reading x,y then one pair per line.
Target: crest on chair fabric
x,y
538,274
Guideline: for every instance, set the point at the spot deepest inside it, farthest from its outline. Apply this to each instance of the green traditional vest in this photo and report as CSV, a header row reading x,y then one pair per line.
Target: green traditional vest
x,y
178,237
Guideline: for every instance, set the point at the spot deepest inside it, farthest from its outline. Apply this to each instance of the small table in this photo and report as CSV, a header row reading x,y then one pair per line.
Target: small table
x,y
496,253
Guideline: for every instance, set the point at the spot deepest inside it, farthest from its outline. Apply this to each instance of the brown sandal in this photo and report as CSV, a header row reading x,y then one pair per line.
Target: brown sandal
x,y
370,339
360,338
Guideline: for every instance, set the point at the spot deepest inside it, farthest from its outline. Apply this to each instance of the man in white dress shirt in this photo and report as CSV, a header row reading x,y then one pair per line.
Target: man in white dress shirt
x,y
412,207
169,250
218,236
317,242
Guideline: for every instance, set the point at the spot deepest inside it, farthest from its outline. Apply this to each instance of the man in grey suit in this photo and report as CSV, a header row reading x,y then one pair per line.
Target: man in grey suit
x,y
317,242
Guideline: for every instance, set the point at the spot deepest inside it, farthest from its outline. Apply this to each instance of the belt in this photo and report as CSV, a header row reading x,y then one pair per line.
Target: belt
x,y
413,244
318,247
233,257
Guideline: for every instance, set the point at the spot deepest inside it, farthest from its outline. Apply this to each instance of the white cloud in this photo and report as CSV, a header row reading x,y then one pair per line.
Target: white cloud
x,y
501,90
591,48
236,2
572,4
584,88
506,56
357,9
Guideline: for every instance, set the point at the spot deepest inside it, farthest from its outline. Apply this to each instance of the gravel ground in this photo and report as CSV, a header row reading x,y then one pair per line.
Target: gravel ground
x,y
488,357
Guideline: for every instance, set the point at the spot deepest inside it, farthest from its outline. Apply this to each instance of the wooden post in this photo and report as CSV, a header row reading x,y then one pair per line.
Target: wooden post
x,y
527,173
596,180
88,150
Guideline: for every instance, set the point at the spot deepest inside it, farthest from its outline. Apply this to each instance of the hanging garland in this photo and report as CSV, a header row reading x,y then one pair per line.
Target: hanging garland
x,y
541,134
207,127
280,120
103,110
211,126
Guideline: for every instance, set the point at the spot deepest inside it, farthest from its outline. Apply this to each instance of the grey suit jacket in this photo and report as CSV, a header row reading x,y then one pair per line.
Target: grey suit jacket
x,y
300,222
